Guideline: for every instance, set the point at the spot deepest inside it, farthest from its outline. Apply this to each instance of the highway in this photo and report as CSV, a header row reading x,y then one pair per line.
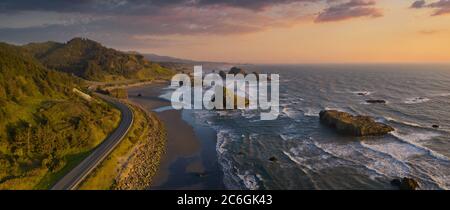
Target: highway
x,y
73,179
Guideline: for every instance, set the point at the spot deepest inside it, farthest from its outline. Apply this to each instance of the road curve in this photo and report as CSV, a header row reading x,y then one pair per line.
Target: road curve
x,y
72,179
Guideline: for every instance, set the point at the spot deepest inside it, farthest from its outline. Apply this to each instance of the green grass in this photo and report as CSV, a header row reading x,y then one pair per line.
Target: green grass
x,y
104,177
50,179
45,128
57,146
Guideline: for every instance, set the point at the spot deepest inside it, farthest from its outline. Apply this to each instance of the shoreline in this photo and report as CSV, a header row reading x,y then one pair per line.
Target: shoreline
x,y
190,161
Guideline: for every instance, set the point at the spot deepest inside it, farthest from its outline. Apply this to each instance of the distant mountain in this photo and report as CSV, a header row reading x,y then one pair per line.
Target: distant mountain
x,y
185,65
92,61
169,59
161,58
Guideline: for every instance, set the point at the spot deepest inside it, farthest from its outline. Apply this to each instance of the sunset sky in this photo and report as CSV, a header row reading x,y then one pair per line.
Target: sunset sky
x,y
252,31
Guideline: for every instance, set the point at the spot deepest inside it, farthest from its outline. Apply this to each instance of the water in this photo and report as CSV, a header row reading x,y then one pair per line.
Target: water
x,y
312,156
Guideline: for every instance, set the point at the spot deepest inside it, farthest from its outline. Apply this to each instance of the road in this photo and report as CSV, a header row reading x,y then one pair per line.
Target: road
x,y
72,179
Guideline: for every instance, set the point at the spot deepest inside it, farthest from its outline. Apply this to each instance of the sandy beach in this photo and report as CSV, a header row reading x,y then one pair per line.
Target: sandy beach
x,y
190,161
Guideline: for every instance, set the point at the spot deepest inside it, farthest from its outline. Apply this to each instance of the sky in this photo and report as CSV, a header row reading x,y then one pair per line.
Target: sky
x,y
245,31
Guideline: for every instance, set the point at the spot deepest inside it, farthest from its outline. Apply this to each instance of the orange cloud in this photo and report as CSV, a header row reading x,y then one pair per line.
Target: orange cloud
x,y
441,7
349,10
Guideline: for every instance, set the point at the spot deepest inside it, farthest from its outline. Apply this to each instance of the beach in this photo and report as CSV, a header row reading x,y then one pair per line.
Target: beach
x,y
190,159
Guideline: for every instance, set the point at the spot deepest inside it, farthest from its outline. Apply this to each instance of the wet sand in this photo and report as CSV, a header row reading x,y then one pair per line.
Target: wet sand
x,y
190,161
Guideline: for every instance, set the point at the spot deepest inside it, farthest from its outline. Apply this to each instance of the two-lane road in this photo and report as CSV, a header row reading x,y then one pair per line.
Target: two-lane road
x,y
72,179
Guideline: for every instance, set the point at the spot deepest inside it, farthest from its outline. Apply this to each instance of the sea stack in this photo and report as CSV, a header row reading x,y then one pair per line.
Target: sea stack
x,y
348,124
376,101
236,70
273,159
223,74
405,183
233,95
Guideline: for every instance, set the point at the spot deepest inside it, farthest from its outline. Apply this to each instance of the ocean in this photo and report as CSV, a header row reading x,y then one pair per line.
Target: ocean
x,y
310,155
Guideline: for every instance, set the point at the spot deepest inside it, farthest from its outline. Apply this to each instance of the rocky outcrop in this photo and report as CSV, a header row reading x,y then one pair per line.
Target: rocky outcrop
x,y
233,70
223,74
236,70
361,94
202,174
348,124
375,101
273,159
405,183
231,94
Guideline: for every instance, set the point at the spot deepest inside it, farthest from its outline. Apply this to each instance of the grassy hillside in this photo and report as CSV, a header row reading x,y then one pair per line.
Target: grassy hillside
x,y
45,128
92,61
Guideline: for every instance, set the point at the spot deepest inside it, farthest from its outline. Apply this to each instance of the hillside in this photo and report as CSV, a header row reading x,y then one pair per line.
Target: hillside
x,y
44,128
92,61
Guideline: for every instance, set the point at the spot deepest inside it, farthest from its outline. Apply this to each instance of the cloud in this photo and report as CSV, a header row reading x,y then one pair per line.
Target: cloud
x,y
251,4
113,30
157,17
418,4
41,19
429,32
348,10
134,6
441,7
113,21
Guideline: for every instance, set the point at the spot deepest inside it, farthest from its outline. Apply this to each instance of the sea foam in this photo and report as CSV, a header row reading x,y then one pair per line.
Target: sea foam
x,y
416,100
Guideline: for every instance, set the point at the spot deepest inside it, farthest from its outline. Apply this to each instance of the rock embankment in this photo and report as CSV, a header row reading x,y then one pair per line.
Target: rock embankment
x,y
348,124
140,167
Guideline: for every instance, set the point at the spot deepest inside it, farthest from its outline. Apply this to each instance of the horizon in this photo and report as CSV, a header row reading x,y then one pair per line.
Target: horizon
x,y
249,63
254,32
